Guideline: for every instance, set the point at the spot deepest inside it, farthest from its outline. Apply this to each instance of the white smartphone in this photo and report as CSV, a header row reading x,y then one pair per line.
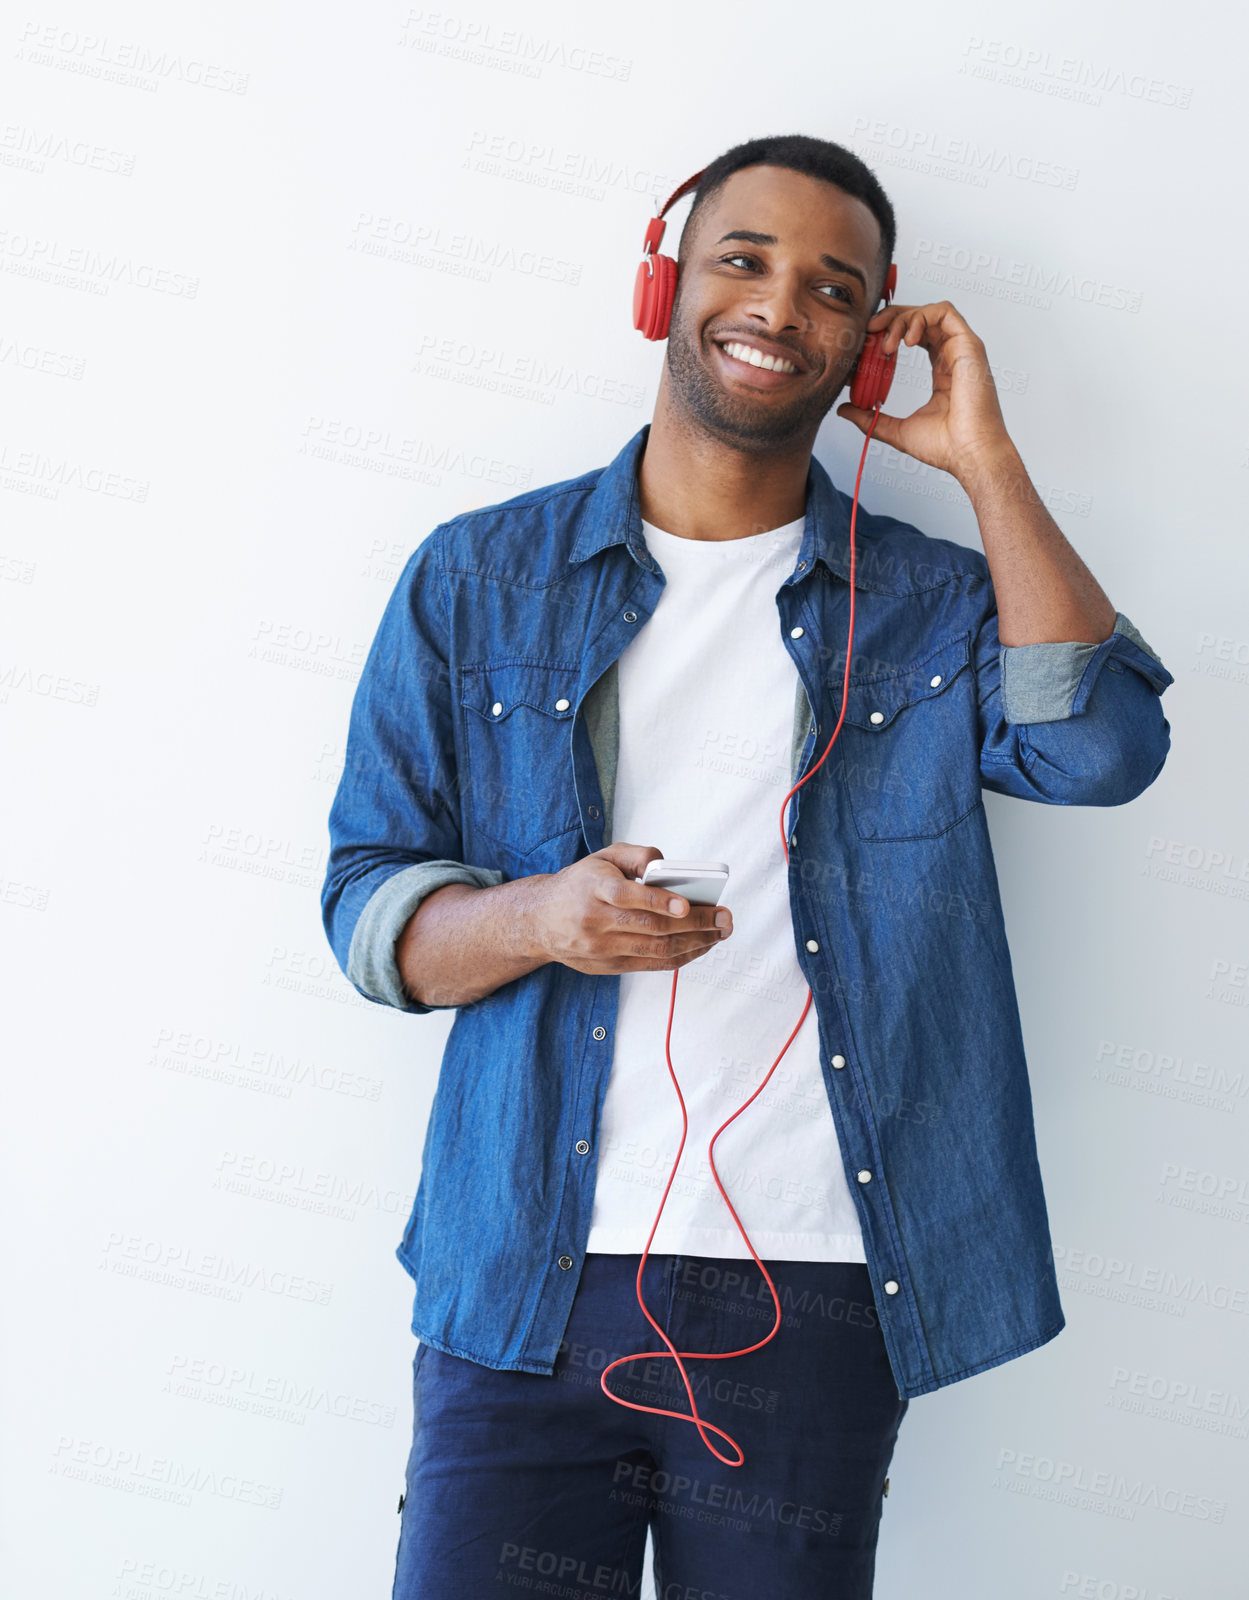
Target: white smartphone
x,y
700,882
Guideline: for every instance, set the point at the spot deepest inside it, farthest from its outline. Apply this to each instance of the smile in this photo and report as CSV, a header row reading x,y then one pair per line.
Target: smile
x,y
743,362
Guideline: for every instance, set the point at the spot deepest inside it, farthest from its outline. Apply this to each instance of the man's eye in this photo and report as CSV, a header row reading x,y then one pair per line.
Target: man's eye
x,y
840,288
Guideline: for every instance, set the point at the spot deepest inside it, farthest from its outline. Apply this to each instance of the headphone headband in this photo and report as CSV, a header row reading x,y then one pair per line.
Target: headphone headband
x,y
676,194
656,226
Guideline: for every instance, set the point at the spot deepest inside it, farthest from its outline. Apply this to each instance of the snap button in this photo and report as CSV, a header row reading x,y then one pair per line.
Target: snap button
x,y
812,946
594,811
891,1287
581,1147
496,708
934,682
795,633
630,616
561,705
864,1176
600,1033
877,716
565,1262
839,1061
802,566
793,841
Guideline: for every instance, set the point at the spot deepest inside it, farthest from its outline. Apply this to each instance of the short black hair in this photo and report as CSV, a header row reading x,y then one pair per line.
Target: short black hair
x,y
818,158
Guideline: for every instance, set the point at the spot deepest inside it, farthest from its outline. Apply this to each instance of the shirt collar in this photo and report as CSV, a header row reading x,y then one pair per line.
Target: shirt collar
x,y
613,516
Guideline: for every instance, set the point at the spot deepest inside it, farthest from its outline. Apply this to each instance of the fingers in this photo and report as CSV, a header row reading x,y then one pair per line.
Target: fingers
x,y
638,949
658,911
703,921
637,954
886,430
631,894
679,961
931,325
908,329
663,963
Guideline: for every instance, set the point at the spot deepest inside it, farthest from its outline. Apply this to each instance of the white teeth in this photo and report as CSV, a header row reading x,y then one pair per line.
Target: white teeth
x,y
745,352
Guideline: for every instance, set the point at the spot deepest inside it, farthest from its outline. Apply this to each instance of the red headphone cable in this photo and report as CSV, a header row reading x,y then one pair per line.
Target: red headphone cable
x,y
723,1355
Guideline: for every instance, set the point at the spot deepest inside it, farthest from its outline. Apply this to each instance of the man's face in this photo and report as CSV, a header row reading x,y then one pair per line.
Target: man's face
x,y
758,273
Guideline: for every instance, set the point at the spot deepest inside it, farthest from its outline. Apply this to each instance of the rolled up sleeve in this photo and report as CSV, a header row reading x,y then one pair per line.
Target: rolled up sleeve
x,y
395,829
371,961
1071,723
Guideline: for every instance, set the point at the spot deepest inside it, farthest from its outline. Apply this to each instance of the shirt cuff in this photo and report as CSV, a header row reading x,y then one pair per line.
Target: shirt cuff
x,y
371,964
1049,682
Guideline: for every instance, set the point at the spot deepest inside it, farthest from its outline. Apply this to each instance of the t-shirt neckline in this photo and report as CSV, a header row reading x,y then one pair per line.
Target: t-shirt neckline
x,y
775,535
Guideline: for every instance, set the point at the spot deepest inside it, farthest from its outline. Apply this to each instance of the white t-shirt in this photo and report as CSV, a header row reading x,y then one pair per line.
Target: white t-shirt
x,y
706,723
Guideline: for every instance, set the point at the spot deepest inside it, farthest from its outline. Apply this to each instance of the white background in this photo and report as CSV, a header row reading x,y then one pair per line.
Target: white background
x,y
225,429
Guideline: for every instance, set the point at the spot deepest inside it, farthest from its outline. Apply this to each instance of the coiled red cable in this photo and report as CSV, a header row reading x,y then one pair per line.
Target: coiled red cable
x,y
680,1356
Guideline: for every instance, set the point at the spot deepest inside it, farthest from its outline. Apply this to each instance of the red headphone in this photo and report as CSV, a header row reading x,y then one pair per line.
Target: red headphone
x,y
655,287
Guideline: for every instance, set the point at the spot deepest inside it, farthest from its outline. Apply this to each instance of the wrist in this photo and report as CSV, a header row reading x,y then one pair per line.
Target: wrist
x,y
530,923
990,467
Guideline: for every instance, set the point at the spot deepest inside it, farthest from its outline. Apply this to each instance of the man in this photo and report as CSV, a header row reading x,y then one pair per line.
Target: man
x,y
643,661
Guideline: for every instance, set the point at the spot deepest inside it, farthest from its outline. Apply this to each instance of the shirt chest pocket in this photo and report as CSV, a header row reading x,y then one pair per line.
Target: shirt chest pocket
x,y
517,728
912,746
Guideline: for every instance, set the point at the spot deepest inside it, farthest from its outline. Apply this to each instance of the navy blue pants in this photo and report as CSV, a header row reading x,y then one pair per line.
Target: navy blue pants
x,y
518,1481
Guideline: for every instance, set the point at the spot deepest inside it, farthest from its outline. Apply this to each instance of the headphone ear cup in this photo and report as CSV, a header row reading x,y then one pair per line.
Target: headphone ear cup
x,y
873,373
653,294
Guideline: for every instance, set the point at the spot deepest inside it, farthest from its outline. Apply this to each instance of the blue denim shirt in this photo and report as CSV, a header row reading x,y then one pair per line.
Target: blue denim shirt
x,y
481,748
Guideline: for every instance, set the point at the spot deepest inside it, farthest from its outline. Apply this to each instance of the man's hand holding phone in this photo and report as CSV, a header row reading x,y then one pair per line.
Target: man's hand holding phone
x,y
596,917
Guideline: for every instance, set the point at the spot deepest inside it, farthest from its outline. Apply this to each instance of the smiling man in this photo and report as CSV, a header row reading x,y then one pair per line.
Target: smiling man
x,y
640,662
